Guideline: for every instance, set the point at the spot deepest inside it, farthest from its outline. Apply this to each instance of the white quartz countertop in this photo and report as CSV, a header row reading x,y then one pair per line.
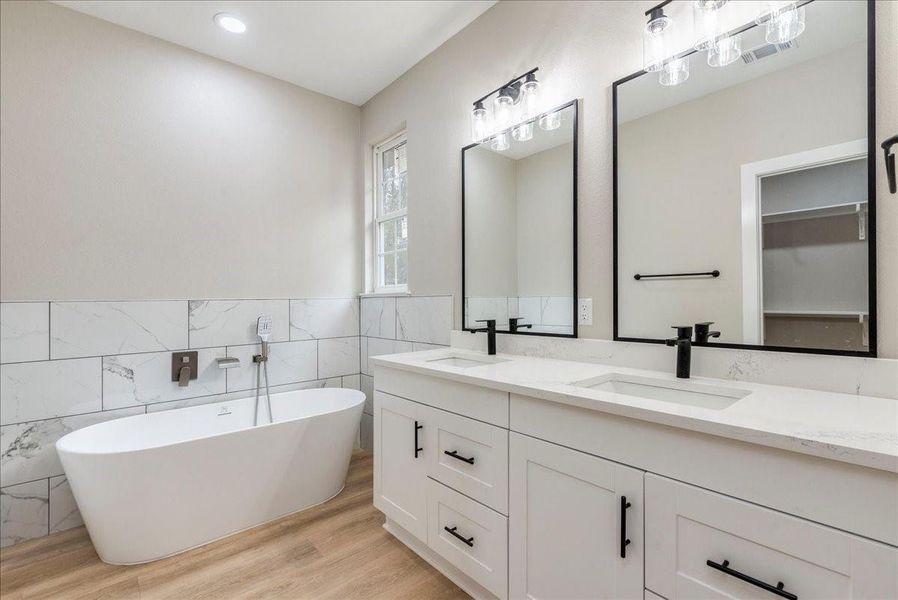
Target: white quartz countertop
x,y
861,430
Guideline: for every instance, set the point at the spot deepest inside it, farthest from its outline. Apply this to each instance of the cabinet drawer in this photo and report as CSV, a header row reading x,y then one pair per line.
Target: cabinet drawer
x,y
471,457
483,404
469,535
700,544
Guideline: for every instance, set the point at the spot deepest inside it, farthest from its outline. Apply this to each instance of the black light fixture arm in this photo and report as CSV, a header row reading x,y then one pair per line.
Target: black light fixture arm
x,y
509,84
890,162
658,6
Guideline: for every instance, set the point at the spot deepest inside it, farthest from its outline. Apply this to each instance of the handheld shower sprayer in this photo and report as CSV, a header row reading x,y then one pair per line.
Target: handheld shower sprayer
x,y
263,330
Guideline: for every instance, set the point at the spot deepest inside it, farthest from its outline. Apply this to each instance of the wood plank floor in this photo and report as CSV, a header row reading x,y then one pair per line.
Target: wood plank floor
x,y
337,550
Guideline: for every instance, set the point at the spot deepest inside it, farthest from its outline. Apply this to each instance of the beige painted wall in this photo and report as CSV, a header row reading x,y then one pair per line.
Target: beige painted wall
x,y
685,214
580,48
136,169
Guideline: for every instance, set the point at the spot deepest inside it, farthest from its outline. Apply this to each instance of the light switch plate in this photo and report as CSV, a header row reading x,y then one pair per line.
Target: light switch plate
x,y
584,311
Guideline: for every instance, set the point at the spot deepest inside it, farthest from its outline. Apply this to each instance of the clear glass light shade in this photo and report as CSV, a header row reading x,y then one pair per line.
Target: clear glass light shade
x,y
705,21
502,111
724,51
784,21
654,42
500,142
674,72
550,121
479,125
523,132
529,98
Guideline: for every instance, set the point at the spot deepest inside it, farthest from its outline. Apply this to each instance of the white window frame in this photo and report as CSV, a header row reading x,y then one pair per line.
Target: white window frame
x,y
388,144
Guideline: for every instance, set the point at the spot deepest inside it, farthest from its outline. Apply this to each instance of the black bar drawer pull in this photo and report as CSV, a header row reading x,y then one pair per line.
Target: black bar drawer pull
x,y
469,541
624,542
418,427
454,454
777,590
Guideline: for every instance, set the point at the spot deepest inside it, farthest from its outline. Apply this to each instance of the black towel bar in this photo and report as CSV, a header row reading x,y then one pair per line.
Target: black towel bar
x,y
714,273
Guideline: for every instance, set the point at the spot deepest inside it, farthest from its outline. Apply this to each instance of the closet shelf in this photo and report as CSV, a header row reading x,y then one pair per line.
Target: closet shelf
x,y
817,212
834,314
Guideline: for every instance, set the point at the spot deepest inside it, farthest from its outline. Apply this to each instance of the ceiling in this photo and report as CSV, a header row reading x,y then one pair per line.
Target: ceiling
x,y
348,49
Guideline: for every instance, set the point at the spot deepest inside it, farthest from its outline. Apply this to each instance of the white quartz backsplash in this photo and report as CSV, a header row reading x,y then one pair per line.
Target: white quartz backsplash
x,y
842,374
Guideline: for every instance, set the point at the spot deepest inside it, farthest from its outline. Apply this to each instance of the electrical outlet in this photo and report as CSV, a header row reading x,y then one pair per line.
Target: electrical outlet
x,y
584,311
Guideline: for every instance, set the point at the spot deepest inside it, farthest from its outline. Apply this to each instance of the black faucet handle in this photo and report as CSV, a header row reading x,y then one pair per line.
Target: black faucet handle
x,y
684,332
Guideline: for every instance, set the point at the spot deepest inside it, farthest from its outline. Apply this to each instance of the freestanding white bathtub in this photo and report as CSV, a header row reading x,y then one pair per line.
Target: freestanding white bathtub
x,y
153,485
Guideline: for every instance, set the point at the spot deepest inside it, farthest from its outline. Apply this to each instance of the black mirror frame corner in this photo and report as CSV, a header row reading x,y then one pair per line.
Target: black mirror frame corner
x,y
576,133
872,150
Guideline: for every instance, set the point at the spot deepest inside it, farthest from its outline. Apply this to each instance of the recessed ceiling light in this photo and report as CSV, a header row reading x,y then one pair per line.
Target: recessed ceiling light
x,y
229,22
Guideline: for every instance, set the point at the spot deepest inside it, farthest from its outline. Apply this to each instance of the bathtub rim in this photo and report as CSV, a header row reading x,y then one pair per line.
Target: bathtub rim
x,y
80,452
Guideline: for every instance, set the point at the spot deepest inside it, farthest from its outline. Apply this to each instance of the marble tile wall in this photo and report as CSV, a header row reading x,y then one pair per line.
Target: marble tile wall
x,y
67,365
548,313
389,325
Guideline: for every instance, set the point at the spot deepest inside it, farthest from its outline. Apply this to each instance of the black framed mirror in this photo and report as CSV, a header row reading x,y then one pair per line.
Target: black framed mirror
x,y
519,228
745,195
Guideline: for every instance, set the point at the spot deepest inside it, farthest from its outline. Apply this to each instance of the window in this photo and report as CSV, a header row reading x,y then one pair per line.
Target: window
x,y
390,216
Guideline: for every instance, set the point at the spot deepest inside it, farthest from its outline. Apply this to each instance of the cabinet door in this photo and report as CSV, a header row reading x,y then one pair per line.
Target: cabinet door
x,y
400,480
569,516
704,545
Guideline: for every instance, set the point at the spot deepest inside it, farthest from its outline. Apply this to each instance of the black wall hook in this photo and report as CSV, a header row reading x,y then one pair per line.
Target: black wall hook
x,y
890,162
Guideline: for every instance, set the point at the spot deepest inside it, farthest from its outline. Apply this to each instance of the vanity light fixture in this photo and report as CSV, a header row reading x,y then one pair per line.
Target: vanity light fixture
x,y
654,37
500,142
515,106
674,72
705,22
503,104
479,125
783,19
550,121
724,51
229,22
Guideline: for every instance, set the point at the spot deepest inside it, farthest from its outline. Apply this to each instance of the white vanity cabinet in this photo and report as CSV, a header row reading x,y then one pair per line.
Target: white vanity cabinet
x,y
514,496
575,524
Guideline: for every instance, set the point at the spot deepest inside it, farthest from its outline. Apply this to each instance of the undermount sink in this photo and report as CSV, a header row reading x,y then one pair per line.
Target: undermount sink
x,y
676,392
466,361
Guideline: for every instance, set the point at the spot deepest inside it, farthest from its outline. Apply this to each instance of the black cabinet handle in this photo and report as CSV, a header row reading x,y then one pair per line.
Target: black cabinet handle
x,y
624,542
469,541
418,427
454,454
778,590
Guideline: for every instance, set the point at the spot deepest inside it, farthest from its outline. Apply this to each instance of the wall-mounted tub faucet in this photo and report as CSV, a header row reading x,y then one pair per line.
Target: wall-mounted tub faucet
x,y
683,342
184,367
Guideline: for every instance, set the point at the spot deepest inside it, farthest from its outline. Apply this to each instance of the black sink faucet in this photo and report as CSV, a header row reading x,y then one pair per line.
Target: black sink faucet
x,y
683,342
490,330
513,324
703,332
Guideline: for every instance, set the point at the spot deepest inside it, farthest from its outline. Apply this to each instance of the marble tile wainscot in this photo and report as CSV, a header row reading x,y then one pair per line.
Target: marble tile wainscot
x,y
391,324
67,365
